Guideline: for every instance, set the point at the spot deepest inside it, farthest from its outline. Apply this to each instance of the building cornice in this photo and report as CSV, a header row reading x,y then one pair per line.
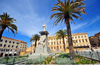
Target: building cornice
x,y
14,39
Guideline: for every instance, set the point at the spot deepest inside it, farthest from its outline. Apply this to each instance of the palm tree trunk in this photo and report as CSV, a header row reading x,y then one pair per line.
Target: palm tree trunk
x,y
35,45
64,45
1,32
71,49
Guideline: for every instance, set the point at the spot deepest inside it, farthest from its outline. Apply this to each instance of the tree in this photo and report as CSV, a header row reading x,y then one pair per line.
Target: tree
x,y
35,38
67,10
61,34
7,22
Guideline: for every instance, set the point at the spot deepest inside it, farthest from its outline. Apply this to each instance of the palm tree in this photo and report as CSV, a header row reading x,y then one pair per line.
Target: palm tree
x,y
35,38
61,34
7,22
68,10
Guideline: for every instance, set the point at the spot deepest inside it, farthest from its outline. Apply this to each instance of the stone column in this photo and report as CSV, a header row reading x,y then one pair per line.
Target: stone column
x,y
50,42
84,41
53,43
78,41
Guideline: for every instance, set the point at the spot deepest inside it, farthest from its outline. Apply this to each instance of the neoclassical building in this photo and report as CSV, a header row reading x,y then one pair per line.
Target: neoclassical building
x,y
10,47
80,42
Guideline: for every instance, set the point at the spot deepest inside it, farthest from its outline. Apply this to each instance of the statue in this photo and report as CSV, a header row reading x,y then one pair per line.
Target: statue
x,y
44,26
42,46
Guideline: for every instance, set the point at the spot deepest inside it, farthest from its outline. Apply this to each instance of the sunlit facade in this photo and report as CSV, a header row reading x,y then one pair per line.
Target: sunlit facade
x,y
80,41
10,47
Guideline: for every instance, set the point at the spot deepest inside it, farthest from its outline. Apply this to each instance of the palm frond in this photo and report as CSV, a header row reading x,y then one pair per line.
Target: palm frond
x,y
68,9
12,30
75,16
61,33
35,37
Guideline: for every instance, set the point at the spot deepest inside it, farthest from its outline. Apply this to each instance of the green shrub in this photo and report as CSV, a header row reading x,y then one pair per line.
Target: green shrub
x,y
63,61
49,59
82,61
64,55
44,62
57,53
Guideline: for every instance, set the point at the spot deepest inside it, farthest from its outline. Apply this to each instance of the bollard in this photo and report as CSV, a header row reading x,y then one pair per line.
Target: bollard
x,y
91,56
14,60
98,55
7,60
40,58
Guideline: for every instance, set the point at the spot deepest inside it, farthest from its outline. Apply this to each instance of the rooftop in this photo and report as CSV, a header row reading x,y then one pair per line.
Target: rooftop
x,y
14,39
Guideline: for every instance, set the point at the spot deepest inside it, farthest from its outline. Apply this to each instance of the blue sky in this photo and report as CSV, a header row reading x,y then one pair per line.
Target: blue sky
x,y
30,15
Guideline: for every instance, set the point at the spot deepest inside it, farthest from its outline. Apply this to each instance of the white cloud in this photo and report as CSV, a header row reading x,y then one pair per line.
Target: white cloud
x,y
77,26
28,22
91,21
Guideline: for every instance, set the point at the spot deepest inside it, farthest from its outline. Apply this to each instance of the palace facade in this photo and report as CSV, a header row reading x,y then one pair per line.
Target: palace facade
x,y
80,42
11,47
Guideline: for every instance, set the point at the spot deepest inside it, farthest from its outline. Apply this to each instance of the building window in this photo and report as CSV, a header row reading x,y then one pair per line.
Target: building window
x,y
51,47
83,40
82,36
66,38
86,40
78,36
12,45
9,41
1,40
60,47
54,47
0,45
80,41
51,43
16,46
8,45
6,41
75,37
17,43
76,41
13,42
85,36
5,45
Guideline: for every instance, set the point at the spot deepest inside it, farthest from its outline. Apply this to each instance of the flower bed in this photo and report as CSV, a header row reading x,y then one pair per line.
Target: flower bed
x,y
36,60
83,60
10,60
64,61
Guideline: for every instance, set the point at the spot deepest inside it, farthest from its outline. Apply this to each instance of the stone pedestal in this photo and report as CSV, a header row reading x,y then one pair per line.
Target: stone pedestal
x,y
42,48
43,44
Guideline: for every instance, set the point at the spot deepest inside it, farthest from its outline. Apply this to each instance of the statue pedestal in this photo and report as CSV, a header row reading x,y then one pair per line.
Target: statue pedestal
x,y
41,50
43,46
